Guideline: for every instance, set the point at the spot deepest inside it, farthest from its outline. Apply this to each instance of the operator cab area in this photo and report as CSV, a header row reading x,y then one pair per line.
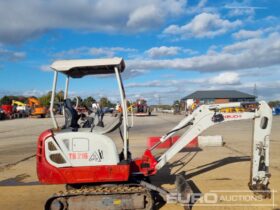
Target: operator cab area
x,y
92,121
73,129
74,69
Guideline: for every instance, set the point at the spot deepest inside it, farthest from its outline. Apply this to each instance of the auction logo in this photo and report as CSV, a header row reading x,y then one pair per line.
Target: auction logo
x,y
223,198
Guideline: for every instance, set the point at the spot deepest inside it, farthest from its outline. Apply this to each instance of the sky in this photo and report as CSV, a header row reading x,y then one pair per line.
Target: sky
x,y
171,48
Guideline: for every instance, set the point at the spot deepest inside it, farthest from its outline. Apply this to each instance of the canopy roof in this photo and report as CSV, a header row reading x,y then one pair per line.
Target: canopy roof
x,y
80,68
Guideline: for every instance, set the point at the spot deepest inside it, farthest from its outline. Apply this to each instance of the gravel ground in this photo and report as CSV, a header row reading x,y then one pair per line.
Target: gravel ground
x,y
209,169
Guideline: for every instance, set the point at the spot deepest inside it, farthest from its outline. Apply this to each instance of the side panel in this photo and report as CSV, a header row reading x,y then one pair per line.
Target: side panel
x,y
46,173
49,174
81,149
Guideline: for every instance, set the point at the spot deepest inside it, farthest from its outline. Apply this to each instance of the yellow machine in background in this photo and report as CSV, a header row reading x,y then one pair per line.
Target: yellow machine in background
x,y
233,109
21,110
246,107
18,103
36,108
130,108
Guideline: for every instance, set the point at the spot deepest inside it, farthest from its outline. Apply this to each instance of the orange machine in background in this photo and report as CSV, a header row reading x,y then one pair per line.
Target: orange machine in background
x,y
36,108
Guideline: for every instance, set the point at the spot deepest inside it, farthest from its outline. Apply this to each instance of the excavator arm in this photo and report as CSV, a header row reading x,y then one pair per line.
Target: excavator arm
x,y
19,103
206,116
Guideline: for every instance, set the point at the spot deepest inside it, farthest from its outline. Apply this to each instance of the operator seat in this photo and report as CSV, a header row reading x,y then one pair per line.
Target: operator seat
x,y
71,115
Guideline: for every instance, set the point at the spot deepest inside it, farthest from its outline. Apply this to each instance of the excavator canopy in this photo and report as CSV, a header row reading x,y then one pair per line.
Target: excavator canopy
x,y
80,68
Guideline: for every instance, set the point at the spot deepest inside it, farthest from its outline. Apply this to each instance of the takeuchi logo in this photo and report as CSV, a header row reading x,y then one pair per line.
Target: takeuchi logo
x,y
233,116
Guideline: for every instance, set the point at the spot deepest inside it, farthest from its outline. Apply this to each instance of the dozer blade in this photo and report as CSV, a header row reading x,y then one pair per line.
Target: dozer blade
x,y
102,197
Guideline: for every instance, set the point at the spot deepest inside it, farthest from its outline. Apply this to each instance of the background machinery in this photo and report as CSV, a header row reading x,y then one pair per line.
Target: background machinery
x,y
36,108
21,108
98,176
2,114
140,108
276,110
8,111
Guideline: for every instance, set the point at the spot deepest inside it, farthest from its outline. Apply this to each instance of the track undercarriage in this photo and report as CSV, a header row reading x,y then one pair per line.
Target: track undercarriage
x,y
105,197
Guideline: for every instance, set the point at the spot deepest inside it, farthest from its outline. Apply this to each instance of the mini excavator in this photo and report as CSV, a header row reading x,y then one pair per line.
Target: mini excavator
x,y
98,176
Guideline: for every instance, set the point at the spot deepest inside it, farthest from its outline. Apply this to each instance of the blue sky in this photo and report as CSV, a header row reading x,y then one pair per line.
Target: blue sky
x,y
171,47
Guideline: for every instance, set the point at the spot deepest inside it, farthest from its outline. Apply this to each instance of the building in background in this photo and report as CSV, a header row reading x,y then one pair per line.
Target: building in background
x,y
218,96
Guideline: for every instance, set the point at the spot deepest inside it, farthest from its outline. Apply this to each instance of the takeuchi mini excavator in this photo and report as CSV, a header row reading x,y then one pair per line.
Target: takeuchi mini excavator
x,y
98,176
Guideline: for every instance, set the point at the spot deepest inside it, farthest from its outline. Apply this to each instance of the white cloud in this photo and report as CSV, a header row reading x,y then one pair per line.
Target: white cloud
x,y
134,73
245,34
45,68
109,51
242,8
22,20
10,55
34,92
203,25
170,90
237,56
163,51
266,46
93,51
146,16
237,11
202,3
225,78
154,83
201,7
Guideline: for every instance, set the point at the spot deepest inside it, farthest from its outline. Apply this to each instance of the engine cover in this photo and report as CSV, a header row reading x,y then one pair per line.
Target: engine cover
x,y
78,157
78,149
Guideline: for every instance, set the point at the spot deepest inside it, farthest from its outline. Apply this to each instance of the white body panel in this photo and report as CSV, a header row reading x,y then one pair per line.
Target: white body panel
x,y
83,149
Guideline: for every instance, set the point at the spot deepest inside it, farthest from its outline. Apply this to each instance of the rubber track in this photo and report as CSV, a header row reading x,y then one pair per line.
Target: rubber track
x,y
102,190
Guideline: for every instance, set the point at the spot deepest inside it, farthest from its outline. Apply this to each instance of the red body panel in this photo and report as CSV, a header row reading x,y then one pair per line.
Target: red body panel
x,y
145,165
49,174
151,141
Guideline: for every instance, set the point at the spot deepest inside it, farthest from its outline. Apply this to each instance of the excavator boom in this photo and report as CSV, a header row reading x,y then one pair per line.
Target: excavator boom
x,y
206,116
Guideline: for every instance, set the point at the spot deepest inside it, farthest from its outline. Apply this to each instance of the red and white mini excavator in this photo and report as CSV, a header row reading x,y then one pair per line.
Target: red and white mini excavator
x,y
98,176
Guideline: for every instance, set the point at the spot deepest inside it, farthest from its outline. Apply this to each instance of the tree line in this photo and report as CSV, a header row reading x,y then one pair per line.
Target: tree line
x,y
59,97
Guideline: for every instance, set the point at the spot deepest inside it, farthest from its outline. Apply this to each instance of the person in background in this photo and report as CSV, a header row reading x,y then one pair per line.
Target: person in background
x,y
118,108
98,111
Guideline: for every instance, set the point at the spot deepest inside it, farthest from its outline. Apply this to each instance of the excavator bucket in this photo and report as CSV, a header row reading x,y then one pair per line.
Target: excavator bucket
x,y
184,191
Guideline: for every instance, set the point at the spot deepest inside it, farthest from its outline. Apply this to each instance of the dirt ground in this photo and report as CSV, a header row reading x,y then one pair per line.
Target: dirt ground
x,y
222,171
